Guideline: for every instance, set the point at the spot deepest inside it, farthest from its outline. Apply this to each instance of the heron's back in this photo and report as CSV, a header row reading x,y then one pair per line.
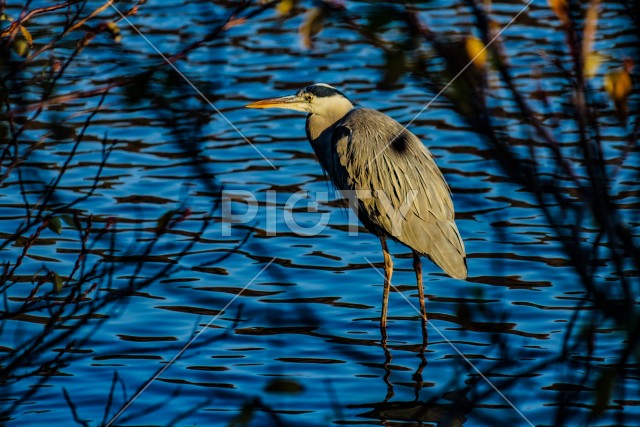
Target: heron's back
x,y
401,192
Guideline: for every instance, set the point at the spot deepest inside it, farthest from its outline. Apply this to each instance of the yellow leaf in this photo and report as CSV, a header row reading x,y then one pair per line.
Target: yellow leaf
x,y
5,17
21,47
608,84
618,84
561,9
27,35
590,27
476,51
285,6
114,30
592,62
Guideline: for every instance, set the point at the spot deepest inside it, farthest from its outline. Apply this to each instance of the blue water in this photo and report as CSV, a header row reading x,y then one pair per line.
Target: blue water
x,y
302,337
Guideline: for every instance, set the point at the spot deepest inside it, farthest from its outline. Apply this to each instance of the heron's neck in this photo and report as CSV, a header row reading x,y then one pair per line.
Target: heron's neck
x,y
318,122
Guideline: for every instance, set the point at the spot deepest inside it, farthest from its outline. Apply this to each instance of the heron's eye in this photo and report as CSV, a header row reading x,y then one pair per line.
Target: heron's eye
x,y
308,97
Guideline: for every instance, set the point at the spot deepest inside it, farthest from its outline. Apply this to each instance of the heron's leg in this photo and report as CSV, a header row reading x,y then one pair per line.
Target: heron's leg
x,y
417,266
388,271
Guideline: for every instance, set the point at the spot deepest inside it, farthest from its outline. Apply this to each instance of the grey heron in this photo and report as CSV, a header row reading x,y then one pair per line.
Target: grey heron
x,y
397,188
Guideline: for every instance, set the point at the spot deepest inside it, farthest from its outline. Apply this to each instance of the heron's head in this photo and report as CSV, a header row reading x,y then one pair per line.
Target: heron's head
x,y
319,98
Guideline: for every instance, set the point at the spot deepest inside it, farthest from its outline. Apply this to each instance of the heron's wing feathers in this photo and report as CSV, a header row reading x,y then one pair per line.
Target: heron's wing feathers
x,y
399,187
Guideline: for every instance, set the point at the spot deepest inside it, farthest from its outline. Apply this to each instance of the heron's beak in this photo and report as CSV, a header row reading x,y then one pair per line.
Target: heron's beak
x,y
291,102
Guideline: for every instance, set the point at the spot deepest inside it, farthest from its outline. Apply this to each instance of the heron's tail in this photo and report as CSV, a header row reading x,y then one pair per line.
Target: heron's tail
x,y
439,241
447,251
455,267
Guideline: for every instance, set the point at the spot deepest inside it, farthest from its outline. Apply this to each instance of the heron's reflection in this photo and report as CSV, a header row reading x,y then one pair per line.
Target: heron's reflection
x,y
387,363
417,376
449,414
